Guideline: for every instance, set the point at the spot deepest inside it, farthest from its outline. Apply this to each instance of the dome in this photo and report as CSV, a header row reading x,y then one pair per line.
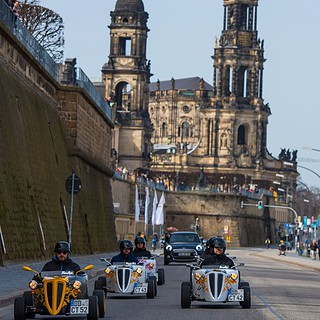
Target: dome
x,y
129,5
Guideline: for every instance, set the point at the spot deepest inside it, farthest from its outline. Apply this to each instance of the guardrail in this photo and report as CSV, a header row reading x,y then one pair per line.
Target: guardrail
x,y
25,38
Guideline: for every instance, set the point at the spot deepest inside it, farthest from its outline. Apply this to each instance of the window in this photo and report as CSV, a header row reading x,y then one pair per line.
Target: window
x,y
242,135
124,46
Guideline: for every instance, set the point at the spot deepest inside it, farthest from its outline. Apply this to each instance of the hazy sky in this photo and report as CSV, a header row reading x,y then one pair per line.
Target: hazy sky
x,y
180,44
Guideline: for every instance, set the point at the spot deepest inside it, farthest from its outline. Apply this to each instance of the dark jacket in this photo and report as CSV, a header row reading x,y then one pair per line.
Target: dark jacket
x,y
122,258
137,252
213,259
56,265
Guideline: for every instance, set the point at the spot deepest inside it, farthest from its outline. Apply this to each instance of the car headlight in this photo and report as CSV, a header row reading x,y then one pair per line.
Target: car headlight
x,y
199,247
168,247
107,270
77,285
139,270
197,276
234,276
151,265
33,284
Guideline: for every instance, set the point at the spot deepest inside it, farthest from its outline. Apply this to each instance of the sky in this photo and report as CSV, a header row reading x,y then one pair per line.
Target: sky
x,y
180,45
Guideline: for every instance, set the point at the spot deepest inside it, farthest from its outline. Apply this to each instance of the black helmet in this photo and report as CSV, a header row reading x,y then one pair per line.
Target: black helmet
x,y
139,240
216,242
126,244
62,246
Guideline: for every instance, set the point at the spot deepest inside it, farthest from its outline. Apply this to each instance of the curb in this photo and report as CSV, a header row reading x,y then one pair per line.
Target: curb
x,y
288,262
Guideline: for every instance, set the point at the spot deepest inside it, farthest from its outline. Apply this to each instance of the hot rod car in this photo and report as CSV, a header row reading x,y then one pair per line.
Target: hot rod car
x,y
214,283
59,293
152,270
127,278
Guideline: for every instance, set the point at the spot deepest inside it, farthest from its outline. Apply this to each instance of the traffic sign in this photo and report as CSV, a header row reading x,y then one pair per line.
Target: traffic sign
x,y
74,181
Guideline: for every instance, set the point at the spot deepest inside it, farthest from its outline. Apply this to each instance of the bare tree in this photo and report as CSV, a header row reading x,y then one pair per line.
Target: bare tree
x,y
45,25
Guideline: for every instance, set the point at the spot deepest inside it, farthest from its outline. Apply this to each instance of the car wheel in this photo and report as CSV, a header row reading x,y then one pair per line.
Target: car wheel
x,y
154,278
185,295
166,262
244,284
93,308
29,303
161,277
151,289
98,285
246,304
102,305
19,308
104,281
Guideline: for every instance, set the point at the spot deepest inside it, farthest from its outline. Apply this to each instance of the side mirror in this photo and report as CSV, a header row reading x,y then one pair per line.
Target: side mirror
x,y
89,267
26,268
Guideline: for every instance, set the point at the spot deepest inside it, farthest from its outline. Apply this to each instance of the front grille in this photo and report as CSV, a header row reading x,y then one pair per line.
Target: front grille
x,y
54,293
216,281
123,277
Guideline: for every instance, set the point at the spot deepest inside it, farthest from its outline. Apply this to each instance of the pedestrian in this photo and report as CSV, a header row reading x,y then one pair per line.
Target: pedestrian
x,y
313,250
267,243
154,241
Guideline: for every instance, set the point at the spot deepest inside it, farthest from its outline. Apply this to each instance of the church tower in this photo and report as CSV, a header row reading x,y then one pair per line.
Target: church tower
x,y
235,125
127,77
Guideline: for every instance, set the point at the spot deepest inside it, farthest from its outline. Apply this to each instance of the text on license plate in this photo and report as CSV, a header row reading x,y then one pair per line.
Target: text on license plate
x,y
80,306
184,253
236,295
140,290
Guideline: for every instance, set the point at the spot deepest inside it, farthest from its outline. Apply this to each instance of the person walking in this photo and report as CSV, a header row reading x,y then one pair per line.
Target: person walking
x,y
267,243
313,250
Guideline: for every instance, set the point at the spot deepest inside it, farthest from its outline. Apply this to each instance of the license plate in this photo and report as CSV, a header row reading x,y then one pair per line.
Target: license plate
x,y
236,295
184,254
143,289
80,306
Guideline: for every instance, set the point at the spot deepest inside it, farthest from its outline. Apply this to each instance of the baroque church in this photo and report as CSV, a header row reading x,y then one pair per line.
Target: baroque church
x,y
186,131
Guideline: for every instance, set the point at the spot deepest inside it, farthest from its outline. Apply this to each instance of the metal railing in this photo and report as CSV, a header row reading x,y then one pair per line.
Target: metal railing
x,y
24,37
27,40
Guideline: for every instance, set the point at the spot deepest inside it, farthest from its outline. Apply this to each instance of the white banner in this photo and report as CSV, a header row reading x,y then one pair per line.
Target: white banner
x,y
146,206
154,208
137,206
160,211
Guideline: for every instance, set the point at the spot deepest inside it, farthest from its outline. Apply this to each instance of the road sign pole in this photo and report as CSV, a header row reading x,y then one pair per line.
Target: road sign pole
x,y
71,208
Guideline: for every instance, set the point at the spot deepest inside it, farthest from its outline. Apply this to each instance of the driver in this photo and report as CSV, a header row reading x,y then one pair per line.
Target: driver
x,y
61,260
125,255
140,250
216,254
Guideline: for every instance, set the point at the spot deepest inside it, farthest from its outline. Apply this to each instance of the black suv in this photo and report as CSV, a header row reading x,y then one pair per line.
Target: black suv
x,y
182,246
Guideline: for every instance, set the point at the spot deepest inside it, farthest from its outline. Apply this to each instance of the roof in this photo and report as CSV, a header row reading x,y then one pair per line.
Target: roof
x,y
129,5
180,84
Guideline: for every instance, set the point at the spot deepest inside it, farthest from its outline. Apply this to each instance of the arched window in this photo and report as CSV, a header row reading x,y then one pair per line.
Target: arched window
x,y
242,135
186,130
163,130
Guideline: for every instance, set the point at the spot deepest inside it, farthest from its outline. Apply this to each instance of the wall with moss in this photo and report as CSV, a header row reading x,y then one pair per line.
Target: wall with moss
x,y
35,161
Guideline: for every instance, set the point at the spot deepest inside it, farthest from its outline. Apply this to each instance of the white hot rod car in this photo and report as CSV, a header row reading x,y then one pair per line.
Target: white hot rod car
x,y
127,278
216,284
152,270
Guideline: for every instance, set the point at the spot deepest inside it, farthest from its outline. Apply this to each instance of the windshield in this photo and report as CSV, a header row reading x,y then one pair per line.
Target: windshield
x,y
184,237
49,274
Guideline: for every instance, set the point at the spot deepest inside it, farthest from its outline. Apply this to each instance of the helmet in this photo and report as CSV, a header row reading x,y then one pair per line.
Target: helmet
x,y
216,242
139,240
62,246
126,244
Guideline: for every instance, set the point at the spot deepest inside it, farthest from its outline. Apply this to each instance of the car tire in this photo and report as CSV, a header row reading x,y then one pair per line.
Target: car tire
x,y
244,284
154,278
104,281
102,305
29,303
93,308
246,304
151,289
161,279
19,308
166,262
185,295
98,285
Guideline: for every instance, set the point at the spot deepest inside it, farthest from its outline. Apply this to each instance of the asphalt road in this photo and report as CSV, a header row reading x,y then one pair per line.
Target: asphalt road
x,y
278,291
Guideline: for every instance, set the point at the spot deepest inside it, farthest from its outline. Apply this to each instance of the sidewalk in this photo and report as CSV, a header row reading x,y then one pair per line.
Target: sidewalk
x,y
291,257
14,280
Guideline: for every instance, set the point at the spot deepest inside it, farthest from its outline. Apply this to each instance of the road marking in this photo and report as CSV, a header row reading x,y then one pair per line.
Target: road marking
x,y
267,304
